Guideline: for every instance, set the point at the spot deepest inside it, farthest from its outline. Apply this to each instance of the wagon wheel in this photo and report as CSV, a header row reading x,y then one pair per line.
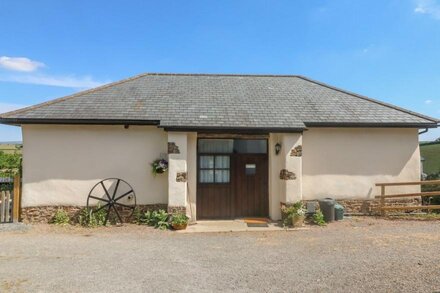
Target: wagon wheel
x,y
110,193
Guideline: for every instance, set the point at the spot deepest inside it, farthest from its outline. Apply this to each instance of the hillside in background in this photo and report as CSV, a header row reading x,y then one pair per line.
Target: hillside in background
x,y
10,147
431,153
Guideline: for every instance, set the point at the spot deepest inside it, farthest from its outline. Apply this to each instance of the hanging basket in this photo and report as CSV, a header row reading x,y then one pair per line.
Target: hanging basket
x,y
159,166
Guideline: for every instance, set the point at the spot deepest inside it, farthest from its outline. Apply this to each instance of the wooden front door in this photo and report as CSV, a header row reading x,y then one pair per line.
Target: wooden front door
x,y
251,192
232,179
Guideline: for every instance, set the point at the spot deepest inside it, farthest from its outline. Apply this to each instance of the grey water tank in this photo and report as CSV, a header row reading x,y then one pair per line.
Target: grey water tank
x,y
327,207
339,212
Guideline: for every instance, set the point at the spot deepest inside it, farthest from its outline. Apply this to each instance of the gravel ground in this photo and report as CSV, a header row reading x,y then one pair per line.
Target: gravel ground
x,y
14,227
357,255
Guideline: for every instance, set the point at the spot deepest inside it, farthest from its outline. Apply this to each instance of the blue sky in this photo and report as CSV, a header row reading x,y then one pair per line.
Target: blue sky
x,y
389,50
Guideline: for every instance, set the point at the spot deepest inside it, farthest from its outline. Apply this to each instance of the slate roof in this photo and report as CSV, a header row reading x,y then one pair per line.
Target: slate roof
x,y
214,101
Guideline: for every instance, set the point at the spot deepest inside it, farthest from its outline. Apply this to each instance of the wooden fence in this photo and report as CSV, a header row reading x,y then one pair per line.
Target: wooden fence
x,y
383,196
10,203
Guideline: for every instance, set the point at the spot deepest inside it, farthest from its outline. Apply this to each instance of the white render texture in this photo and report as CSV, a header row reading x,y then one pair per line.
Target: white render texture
x,y
293,188
192,176
284,190
177,191
345,163
61,163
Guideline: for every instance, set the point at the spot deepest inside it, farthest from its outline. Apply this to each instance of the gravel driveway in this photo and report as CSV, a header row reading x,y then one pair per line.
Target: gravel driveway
x,y
357,255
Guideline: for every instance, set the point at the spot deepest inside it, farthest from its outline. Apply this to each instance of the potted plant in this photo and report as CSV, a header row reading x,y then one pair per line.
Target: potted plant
x,y
298,218
294,214
159,166
179,221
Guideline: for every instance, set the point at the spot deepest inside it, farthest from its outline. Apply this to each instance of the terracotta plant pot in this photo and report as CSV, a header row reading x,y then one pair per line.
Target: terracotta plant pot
x,y
179,226
297,221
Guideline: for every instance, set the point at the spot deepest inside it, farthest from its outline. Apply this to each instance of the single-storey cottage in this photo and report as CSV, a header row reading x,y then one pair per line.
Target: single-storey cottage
x,y
236,145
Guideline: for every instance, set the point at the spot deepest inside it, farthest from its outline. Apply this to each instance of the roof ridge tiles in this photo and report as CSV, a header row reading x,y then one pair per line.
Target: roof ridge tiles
x,y
219,74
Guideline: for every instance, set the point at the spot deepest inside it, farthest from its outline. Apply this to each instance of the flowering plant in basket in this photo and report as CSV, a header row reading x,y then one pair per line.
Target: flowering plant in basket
x,y
159,166
294,214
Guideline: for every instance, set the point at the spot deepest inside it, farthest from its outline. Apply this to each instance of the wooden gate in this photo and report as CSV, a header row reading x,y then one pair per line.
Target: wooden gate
x,y
10,200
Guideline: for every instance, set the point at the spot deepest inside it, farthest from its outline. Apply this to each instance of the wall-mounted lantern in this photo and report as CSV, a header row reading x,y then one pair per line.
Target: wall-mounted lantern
x,y
277,148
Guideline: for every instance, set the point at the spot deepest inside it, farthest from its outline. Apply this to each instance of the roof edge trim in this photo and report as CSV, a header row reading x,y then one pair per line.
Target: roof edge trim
x,y
21,121
217,129
371,125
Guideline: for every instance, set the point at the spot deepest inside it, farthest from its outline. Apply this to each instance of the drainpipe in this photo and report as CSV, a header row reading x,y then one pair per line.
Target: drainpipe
x,y
423,131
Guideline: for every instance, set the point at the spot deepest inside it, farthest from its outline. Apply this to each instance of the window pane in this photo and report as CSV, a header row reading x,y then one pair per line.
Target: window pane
x,y
250,146
216,146
222,176
206,176
207,162
222,162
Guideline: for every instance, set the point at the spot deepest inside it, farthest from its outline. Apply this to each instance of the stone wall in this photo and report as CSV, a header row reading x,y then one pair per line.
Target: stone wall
x,y
370,207
44,214
176,210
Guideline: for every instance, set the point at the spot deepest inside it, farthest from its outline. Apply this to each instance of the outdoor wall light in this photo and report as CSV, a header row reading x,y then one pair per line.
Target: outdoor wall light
x,y
277,148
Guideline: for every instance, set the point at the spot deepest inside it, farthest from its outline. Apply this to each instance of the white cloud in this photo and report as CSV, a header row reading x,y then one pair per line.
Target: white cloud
x,y
60,81
430,7
6,107
367,49
427,102
19,64
26,66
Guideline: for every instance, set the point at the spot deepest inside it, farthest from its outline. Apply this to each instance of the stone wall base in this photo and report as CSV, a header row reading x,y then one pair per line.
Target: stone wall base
x,y
177,210
45,214
370,207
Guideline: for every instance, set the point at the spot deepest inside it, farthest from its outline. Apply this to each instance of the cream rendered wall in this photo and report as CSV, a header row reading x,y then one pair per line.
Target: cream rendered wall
x,y
61,163
293,189
345,163
183,194
177,191
276,186
192,175
283,190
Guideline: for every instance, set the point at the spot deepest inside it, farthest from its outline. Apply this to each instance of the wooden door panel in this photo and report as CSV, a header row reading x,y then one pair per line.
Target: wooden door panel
x,y
251,190
214,201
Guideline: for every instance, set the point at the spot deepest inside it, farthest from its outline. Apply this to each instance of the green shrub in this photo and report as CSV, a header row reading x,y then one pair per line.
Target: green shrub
x,y
318,218
179,219
157,219
60,218
88,218
137,216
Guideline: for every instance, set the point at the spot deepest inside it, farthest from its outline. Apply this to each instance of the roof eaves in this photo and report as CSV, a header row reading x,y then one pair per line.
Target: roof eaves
x,y
372,125
21,121
234,129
